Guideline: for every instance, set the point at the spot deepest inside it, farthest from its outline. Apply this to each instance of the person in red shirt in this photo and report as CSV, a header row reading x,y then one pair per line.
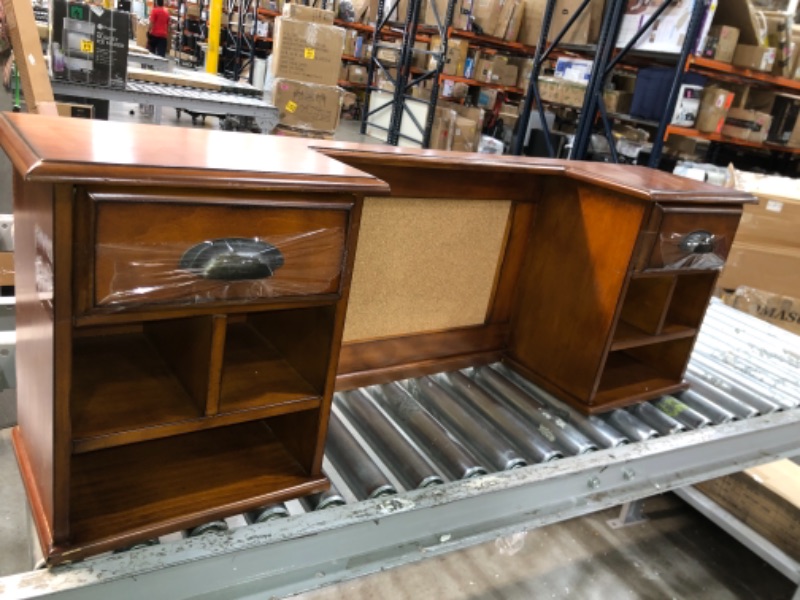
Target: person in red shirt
x,y
159,29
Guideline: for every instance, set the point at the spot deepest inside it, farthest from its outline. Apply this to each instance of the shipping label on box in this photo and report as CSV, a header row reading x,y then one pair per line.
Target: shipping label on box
x,y
307,52
89,44
306,105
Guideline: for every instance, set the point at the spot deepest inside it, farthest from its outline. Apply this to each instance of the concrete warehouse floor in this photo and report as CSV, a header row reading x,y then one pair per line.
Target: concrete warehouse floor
x,y
676,553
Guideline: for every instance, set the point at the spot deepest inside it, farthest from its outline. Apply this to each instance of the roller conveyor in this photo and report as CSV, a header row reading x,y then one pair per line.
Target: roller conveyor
x,y
183,98
604,461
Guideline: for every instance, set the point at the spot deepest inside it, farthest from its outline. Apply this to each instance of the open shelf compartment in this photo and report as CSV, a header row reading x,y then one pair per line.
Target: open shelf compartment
x,y
119,493
644,372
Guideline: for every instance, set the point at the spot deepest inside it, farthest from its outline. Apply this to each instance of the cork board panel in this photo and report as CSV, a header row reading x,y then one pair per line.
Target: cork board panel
x,y
424,265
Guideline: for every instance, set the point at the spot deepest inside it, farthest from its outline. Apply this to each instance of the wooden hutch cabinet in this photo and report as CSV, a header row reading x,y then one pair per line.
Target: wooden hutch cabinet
x,y
181,300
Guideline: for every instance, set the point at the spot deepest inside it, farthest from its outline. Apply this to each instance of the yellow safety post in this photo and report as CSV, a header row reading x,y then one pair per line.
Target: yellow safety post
x,y
214,24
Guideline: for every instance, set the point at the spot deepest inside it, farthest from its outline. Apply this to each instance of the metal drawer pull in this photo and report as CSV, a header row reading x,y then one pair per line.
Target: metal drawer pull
x,y
232,259
698,242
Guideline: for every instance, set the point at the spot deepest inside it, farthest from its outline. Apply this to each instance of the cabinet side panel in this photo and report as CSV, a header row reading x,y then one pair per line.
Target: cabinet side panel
x,y
578,256
34,266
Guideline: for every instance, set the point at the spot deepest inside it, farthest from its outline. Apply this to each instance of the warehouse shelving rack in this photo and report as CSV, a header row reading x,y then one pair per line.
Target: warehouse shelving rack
x,y
407,78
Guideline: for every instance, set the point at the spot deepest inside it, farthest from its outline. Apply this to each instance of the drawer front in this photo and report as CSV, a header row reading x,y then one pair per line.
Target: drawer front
x,y
187,254
688,238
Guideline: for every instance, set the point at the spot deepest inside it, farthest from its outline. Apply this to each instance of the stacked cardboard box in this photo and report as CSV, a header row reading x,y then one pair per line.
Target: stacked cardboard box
x,y
306,64
89,44
767,250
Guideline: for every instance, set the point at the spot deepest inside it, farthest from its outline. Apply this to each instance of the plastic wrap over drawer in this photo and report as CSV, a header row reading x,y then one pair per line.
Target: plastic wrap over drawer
x,y
216,254
699,249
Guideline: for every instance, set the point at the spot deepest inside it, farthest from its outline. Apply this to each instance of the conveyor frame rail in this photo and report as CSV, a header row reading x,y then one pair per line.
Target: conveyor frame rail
x,y
188,99
312,549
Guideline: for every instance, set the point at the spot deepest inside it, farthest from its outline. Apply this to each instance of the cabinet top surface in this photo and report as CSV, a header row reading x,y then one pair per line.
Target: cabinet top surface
x,y
87,151
81,150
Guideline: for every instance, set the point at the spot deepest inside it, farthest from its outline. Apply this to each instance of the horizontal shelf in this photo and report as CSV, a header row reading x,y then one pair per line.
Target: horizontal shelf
x,y
255,374
351,84
490,41
724,139
474,82
353,59
626,380
707,64
630,336
134,492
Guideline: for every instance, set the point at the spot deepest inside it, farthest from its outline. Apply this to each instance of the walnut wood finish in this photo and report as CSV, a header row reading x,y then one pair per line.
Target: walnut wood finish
x,y
138,250
591,234
163,412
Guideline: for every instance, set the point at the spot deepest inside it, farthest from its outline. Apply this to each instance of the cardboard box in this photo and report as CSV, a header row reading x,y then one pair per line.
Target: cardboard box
x,y
456,58
510,20
618,101
193,10
721,43
762,267
766,499
505,74
350,36
308,13
781,311
487,98
785,127
89,44
461,12
484,68
562,91
443,129
454,89
420,58
533,15
486,14
77,111
714,107
307,106
357,74
757,58
389,56
524,75
774,221
745,124
141,34
464,135
307,52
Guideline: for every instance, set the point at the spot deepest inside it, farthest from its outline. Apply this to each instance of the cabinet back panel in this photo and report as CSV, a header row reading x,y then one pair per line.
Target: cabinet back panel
x,y
424,265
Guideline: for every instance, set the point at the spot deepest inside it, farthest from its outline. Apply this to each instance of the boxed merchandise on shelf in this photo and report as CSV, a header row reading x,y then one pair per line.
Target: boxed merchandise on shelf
x,y
721,43
618,101
667,33
524,75
389,53
747,124
454,89
461,12
357,74
562,91
420,58
487,98
307,51
757,58
456,58
464,135
89,44
443,129
307,106
583,31
510,21
714,107
785,127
